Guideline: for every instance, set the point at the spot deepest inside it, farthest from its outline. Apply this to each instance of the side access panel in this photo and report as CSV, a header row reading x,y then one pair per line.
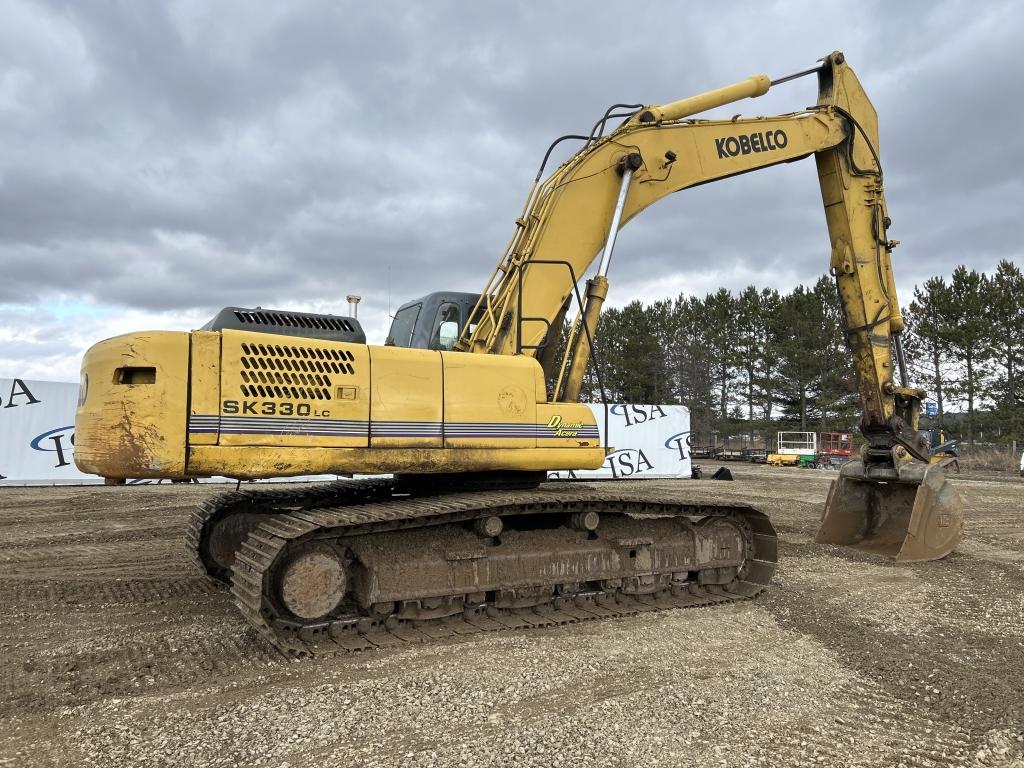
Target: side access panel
x,y
490,401
407,401
288,391
204,388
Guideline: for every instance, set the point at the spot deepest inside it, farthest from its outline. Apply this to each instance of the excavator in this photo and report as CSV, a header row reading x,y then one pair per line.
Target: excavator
x,y
474,398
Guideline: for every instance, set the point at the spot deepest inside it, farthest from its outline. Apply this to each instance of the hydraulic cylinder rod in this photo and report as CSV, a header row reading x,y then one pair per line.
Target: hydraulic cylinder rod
x,y
756,85
597,290
630,164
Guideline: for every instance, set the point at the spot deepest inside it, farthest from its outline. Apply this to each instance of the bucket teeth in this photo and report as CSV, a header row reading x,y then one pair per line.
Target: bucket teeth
x,y
915,517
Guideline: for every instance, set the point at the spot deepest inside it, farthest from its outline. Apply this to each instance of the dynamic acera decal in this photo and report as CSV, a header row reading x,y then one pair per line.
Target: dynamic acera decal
x,y
562,428
744,144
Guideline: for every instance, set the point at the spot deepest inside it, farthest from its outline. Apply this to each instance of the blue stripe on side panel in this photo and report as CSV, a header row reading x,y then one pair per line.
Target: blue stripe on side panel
x,y
279,425
421,429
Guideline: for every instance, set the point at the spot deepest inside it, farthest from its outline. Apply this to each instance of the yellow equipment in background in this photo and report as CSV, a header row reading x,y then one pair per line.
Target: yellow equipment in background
x,y
379,557
794,448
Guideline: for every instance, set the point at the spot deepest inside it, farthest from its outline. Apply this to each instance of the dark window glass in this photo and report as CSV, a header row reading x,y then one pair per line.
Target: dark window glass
x,y
447,325
402,326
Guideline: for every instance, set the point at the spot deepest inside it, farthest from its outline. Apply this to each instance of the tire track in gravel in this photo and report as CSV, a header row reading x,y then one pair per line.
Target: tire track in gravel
x,y
128,591
950,660
159,658
865,712
20,547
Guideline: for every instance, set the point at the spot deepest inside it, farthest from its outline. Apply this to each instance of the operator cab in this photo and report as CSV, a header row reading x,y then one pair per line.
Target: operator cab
x,y
434,321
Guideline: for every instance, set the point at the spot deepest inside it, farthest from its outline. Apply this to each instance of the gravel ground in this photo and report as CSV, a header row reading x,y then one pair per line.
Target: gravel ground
x,y
114,651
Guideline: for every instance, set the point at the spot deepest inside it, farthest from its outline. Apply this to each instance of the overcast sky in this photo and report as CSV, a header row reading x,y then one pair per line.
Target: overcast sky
x,y
162,160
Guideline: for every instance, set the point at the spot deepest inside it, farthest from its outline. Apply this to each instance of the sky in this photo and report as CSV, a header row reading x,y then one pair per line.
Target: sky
x,y
162,160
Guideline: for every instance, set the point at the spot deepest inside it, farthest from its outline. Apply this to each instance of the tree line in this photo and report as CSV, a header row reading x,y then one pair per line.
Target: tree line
x,y
760,360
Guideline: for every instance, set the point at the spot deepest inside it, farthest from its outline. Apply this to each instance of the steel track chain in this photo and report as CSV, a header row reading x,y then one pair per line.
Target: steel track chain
x,y
273,501
258,554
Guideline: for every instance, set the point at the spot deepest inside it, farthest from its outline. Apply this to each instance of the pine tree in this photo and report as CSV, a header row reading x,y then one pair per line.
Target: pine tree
x,y
690,360
967,334
631,348
928,319
1004,302
766,380
720,334
799,318
837,389
759,355
750,335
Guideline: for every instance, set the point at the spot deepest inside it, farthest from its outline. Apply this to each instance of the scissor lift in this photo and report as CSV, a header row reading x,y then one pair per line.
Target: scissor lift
x,y
794,449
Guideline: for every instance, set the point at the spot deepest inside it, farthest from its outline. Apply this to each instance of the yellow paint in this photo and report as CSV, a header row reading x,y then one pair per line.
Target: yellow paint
x,y
269,406
281,379
754,86
567,216
205,381
499,393
128,429
270,462
407,397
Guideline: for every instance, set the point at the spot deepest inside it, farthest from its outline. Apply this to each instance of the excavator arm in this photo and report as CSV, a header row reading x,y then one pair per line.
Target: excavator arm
x,y
889,501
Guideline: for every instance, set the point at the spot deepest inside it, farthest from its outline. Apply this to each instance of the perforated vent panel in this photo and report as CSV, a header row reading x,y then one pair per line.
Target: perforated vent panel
x,y
293,320
299,325
292,372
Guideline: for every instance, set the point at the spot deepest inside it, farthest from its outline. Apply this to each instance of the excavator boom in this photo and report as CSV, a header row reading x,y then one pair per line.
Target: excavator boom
x,y
570,220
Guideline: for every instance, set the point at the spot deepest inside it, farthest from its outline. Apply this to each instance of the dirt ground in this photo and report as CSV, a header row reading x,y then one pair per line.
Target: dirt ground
x,y
115,651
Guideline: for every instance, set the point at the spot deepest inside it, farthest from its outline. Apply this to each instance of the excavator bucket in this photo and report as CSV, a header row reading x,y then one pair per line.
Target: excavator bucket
x,y
916,517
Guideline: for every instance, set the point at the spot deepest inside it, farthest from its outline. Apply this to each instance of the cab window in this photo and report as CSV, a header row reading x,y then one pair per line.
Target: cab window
x,y
447,325
403,325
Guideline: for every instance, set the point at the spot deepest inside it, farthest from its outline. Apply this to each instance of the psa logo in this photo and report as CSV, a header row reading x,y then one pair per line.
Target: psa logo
x,y
679,442
627,462
637,414
564,428
55,436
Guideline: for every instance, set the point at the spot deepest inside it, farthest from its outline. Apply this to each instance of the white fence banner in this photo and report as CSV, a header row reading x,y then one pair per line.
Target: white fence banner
x,y
649,441
37,425
37,437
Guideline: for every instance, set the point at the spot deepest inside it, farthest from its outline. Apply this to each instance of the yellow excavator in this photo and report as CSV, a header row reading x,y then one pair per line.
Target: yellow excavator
x,y
474,398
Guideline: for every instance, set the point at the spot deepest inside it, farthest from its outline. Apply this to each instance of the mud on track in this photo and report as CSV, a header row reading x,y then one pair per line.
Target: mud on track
x,y
114,651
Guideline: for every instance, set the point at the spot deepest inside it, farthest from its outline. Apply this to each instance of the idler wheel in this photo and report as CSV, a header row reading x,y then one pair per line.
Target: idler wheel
x,y
488,527
312,584
224,538
585,521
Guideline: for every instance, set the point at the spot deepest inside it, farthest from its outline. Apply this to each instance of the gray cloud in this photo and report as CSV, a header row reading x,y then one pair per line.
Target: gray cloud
x,y
164,160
